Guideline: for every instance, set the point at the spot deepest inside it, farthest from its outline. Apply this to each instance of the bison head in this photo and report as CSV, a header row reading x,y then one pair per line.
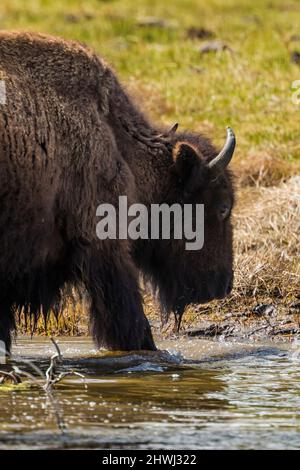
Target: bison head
x,y
198,175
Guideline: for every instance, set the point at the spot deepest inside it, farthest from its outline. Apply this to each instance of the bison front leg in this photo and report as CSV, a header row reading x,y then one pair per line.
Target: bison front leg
x,y
118,321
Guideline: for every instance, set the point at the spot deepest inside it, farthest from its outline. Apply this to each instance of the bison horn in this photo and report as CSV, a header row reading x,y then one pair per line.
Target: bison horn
x,y
220,162
169,133
173,129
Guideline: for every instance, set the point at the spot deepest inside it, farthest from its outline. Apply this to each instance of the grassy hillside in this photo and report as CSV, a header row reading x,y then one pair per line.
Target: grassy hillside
x,y
155,48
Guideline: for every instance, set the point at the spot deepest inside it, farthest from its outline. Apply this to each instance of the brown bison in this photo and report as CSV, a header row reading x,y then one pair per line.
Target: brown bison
x,y
70,139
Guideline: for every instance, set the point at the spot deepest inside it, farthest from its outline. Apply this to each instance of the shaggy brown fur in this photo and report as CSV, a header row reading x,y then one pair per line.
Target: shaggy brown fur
x,y
70,139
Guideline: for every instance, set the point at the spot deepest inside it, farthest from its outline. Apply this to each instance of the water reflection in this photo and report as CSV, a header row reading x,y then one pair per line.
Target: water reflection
x,y
207,395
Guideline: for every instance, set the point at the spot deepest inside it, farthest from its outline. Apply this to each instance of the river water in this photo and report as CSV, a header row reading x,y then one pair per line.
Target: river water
x,y
193,394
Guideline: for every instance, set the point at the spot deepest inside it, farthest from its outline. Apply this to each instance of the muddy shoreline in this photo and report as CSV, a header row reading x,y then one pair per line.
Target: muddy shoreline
x,y
263,322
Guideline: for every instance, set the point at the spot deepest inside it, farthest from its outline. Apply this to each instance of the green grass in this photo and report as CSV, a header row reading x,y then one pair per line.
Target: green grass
x,y
248,88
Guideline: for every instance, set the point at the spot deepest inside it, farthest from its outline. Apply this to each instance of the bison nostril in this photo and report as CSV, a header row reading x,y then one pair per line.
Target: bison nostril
x,y
224,211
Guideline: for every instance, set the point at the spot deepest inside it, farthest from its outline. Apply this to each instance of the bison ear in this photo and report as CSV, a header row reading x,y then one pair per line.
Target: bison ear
x,y
189,166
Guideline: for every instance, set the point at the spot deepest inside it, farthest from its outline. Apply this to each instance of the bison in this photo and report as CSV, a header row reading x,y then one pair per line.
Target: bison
x,y
70,139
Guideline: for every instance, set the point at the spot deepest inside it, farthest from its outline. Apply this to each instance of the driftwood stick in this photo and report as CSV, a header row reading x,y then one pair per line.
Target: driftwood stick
x,y
50,378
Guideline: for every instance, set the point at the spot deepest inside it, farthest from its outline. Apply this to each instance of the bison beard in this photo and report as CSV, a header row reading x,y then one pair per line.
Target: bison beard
x,y
71,139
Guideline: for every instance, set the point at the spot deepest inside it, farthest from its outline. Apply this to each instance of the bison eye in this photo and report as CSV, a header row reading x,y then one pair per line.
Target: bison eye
x,y
224,211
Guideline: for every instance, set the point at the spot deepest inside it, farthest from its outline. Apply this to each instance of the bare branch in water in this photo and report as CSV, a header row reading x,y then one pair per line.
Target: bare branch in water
x,y
57,348
50,378
13,376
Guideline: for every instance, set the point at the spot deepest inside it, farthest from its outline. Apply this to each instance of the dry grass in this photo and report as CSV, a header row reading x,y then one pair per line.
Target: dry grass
x,y
264,169
72,320
267,240
267,268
